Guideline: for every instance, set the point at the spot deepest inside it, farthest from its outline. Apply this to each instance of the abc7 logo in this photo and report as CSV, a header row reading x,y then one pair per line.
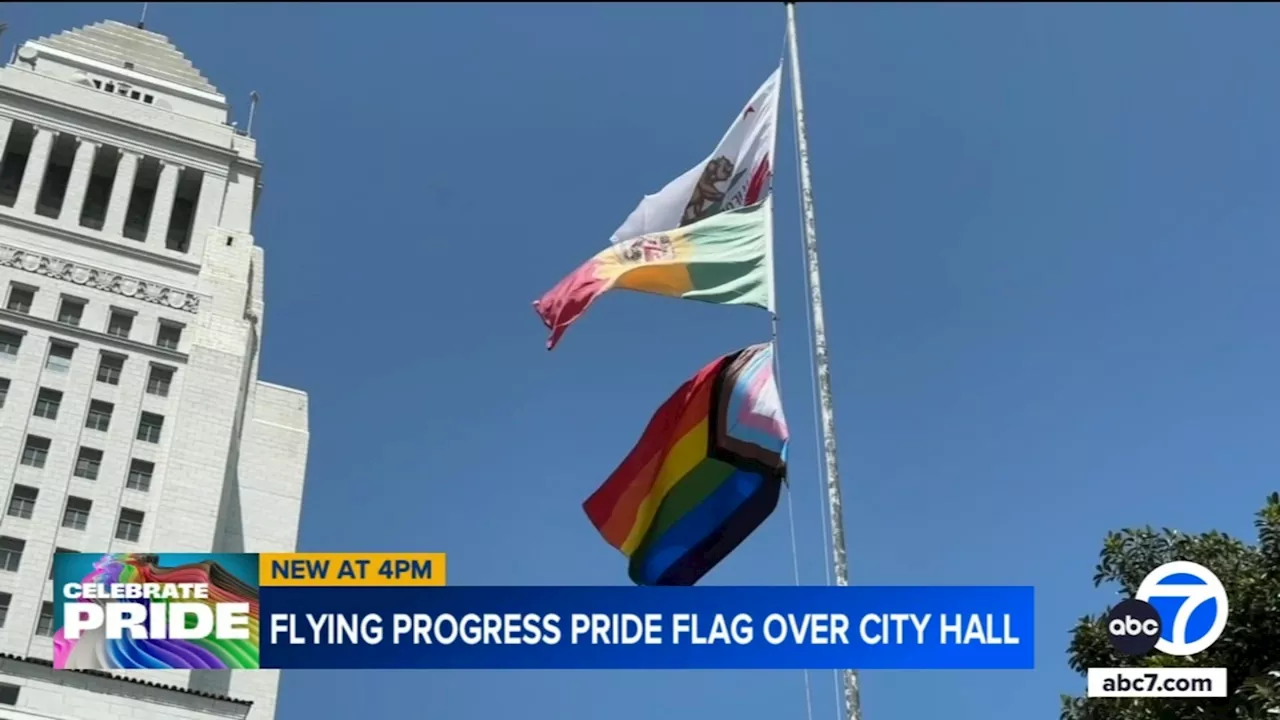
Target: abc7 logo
x,y
1136,627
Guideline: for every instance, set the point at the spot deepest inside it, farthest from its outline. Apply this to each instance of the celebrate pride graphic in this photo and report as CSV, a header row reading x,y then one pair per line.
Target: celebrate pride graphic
x,y
394,611
139,611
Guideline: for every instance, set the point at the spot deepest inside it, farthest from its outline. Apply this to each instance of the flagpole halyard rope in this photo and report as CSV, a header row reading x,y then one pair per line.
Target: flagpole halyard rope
x,y
777,370
821,367
791,506
824,528
817,446
817,436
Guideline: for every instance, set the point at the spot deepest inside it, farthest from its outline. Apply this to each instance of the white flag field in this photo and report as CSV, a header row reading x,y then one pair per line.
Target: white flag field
x,y
736,175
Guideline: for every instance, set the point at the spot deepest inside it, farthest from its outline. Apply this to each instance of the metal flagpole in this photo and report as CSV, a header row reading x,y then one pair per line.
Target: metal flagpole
x,y
840,560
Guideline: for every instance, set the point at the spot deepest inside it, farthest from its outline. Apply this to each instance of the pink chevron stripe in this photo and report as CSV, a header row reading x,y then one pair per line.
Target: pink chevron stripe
x,y
762,409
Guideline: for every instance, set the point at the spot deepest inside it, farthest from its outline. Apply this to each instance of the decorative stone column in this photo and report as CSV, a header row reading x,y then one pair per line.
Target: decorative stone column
x,y
162,206
121,191
78,185
33,175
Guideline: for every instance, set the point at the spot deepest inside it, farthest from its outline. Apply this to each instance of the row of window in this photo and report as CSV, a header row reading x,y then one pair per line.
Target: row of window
x,y
103,175
49,404
71,311
123,89
129,528
110,366
75,514
35,453
44,625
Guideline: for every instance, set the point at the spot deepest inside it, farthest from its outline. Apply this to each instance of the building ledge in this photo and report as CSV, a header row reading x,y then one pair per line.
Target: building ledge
x,y
283,388
42,663
14,321
80,237
209,137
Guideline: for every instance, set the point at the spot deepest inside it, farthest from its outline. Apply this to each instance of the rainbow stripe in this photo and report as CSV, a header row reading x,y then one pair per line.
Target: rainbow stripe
x,y
722,259
705,474
94,651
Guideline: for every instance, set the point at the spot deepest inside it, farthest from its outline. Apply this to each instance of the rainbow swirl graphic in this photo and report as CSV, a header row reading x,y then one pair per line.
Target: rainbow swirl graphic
x,y
94,651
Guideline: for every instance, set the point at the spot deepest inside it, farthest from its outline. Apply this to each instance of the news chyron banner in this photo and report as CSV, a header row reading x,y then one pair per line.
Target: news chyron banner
x,y
390,611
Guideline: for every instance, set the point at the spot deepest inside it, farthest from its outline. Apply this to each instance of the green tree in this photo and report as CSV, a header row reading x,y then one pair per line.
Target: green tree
x,y
1249,648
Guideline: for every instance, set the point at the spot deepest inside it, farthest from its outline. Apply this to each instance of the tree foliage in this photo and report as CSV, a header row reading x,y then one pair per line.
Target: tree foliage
x,y
1249,647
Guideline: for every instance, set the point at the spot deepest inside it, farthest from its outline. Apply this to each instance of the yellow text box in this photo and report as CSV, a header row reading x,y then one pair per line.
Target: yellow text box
x,y
351,569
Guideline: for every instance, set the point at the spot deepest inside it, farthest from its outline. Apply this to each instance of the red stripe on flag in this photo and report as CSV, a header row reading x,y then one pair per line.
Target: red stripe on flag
x,y
759,182
613,507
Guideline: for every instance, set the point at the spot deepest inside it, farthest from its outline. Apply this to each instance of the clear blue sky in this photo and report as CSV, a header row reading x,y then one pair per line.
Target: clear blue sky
x,y
1049,237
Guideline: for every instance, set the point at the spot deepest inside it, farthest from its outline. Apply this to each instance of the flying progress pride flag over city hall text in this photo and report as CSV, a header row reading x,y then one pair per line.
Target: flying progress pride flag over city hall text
x,y
723,259
705,474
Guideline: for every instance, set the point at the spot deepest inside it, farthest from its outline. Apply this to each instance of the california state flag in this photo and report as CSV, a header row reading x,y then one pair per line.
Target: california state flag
x,y
737,174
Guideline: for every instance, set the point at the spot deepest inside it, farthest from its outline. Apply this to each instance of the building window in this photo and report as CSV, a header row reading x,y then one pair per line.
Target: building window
x,y
47,404
10,342
88,463
44,626
11,553
21,298
56,552
109,369
59,359
149,427
159,380
97,195
57,174
76,516
99,417
22,503
13,164
182,218
129,528
8,693
70,311
120,324
36,451
169,335
137,215
4,390
140,472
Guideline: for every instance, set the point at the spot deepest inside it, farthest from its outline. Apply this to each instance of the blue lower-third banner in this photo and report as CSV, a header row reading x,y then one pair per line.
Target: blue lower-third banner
x,y
647,628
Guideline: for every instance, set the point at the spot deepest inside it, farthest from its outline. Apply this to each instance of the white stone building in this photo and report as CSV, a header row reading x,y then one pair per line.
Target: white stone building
x,y
131,416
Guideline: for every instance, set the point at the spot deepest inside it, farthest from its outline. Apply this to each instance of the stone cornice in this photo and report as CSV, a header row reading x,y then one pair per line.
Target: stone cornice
x,y
41,669
40,110
105,280
78,237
